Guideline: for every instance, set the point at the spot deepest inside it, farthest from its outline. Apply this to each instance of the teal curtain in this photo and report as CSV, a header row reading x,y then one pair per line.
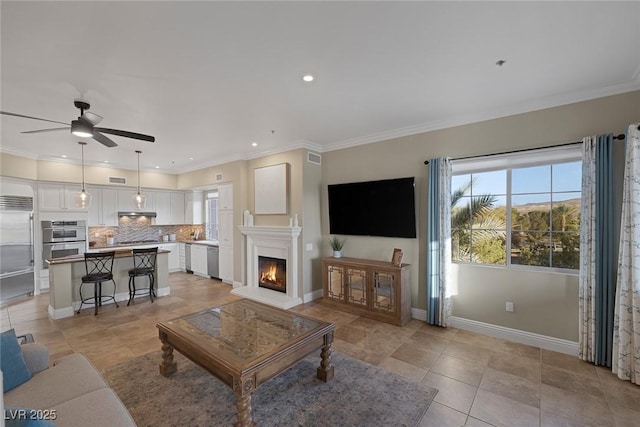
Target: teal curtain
x,y
433,242
439,242
598,251
605,245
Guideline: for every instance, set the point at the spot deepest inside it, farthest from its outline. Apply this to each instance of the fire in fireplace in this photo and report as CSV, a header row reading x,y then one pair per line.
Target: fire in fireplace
x,y
272,273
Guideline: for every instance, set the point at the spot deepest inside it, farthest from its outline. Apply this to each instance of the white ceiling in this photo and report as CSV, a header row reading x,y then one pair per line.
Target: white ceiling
x,y
209,78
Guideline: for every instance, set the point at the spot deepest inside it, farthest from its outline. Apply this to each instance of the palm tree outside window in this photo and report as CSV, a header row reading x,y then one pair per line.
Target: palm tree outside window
x,y
527,216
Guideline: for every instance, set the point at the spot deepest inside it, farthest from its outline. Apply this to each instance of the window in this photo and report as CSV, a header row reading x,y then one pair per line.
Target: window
x,y
211,215
524,210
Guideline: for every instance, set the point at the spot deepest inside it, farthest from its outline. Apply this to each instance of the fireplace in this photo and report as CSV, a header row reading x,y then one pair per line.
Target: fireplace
x,y
269,244
272,273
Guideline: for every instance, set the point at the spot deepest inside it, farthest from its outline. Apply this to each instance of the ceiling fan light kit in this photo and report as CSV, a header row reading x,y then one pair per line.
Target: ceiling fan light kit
x,y
139,200
81,129
83,199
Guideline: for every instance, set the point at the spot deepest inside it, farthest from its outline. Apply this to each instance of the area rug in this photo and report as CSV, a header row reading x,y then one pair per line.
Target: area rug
x,y
359,395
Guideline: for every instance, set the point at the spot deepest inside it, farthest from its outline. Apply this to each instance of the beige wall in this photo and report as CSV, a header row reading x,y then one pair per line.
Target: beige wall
x,y
18,167
545,303
231,172
312,225
294,160
43,170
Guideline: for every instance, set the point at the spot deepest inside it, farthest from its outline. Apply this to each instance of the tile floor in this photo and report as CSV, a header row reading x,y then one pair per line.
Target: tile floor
x,y
482,381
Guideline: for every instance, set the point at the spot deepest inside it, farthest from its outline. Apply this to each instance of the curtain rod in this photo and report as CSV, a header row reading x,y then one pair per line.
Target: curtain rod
x,y
620,137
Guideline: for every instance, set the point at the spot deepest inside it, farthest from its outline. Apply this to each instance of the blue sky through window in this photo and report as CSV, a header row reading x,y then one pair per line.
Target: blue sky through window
x,y
558,182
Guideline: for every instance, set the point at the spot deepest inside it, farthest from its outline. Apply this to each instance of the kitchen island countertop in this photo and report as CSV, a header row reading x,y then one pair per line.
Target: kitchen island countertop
x,y
120,253
65,277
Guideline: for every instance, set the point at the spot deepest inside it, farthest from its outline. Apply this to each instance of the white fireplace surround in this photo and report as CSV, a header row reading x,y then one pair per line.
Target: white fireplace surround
x,y
274,242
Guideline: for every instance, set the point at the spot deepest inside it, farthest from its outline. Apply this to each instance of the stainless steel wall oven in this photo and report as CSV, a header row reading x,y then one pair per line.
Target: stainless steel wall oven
x,y
63,238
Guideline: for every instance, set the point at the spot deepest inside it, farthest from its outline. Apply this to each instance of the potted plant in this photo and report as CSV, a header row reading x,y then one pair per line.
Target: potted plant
x,y
336,244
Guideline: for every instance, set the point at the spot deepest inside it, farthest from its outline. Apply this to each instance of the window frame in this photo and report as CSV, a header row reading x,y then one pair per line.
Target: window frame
x,y
508,162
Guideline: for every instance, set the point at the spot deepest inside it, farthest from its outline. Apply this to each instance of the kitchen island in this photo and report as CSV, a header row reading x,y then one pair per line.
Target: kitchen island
x,y
65,276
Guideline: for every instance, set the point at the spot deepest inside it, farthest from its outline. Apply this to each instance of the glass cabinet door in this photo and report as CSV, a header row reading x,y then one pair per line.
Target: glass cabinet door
x,y
383,291
357,286
335,282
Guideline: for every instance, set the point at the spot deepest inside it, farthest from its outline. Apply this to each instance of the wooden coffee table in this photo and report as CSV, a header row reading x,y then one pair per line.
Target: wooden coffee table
x,y
244,344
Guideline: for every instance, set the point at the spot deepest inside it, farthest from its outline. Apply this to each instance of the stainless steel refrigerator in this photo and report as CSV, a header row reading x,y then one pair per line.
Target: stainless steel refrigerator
x,y
16,247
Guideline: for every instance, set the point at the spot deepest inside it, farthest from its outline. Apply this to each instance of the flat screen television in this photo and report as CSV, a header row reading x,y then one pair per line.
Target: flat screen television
x,y
374,208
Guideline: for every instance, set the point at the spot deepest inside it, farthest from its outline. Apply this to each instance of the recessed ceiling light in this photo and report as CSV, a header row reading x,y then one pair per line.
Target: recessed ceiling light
x,y
254,144
190,158
106,161
307,78
157,167
64,156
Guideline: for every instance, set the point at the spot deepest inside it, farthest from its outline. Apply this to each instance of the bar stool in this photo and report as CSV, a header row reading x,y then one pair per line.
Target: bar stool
x,y
99,268
144,264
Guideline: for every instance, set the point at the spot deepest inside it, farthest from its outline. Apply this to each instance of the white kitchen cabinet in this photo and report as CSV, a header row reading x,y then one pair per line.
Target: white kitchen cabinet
x,y
50,197
199,260
225,196
225,231
103,209
161,206
182,257
125,200
225,228
225,258
109,203
177,201
193,210
58,197
174,255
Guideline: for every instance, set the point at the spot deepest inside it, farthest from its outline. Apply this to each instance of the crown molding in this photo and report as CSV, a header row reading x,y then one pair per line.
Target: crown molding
x,y
19,153
256,155
505,111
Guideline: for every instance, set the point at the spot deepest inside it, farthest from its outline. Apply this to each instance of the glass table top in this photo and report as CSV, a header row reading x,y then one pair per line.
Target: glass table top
x,y
245,329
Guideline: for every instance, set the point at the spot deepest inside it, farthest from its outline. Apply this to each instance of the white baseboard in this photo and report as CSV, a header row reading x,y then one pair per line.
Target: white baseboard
x,y
163,292
514,335
310,296
234,284
419,314
60,313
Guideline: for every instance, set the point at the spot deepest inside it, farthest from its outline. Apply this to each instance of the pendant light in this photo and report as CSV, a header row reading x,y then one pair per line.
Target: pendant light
x,y
83,199
139,200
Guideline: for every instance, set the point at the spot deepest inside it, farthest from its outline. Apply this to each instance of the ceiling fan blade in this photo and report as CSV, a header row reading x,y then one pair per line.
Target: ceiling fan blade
x,y
126,134
103,139
30,117
92,117
46,130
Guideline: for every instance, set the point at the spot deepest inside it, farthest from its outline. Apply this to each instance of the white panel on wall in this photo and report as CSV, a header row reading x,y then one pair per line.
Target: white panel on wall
x,y
270,188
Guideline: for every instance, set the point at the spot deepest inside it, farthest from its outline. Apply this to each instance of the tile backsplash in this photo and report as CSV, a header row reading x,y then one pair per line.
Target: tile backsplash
x,y
140,228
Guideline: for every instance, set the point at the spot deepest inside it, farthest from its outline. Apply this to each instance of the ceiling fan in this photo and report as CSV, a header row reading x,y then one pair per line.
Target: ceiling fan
x,y
85,126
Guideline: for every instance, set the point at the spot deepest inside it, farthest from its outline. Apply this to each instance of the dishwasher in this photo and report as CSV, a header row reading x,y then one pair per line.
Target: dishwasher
x,y
187,258
213,266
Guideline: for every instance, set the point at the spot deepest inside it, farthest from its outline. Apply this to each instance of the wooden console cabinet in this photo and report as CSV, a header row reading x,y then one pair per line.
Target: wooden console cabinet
x,y
375,289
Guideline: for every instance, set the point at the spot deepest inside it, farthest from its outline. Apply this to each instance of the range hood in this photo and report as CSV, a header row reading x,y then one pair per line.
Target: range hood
x,y
134,213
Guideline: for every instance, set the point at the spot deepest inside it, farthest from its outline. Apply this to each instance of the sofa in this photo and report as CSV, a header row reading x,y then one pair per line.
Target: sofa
x,y
69,393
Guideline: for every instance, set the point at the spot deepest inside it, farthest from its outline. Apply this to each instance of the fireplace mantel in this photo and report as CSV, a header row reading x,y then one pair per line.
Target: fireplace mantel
x,y
276,242
270,231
